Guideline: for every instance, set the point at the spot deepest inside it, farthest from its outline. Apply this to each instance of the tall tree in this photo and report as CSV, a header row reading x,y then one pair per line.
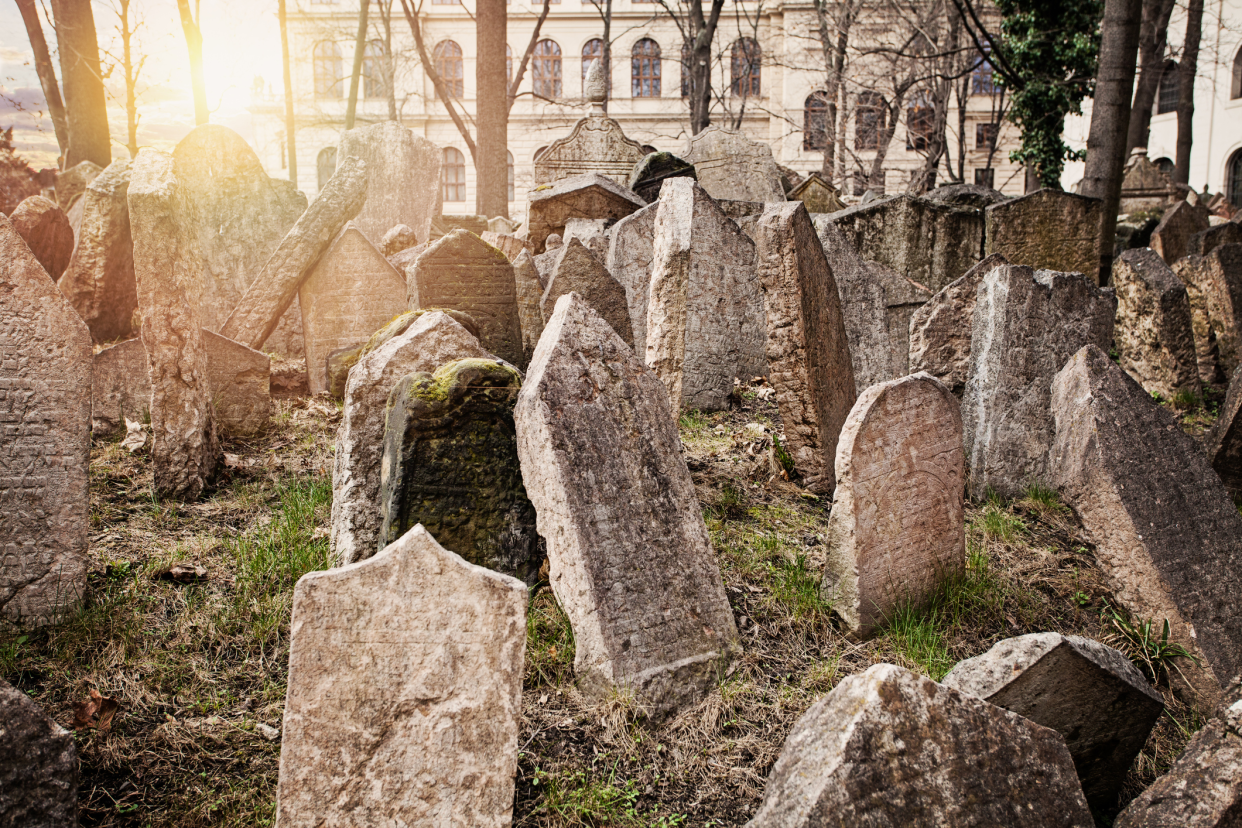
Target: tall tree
x,y
86,107
360,45
835,20
491,192
1153,37
130,69
1186,71
194,45
46,72
697,33
290,123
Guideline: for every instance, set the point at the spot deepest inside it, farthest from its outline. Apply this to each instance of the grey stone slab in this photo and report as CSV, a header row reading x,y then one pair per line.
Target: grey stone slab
x,y
576,270
631,251
731,166
650,172
1201,244
403,173
1224,442
121,389
1047,230
38,766
1214,286
1153,332
1171,238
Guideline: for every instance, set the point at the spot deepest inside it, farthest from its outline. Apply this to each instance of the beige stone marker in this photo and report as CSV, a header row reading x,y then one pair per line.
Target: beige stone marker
x,y
405,690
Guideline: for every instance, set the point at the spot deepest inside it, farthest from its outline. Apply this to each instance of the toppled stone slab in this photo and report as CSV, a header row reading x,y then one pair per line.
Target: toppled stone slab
x,y
731,166
1153,331
650,173
405,690
596,146
240,380
576,270
635,574
631,252
589,196
1166,534
1088,692
46,231
890,747
897,528
1047,230
404,173
1171,238
1224,442
529,292
38,765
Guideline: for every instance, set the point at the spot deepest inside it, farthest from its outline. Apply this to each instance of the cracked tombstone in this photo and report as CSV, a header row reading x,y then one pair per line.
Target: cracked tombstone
x,y
403,171
731,166
1153,332
1046,230
576,270
38,765
405,691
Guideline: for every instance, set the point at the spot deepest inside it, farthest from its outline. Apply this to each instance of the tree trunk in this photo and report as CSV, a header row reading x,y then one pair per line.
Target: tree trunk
x,y
360,44
834,49
86,108
47,74
290,123
131,80
607,53
1186,71
1110,118
491,191
702,32
194,43
1153,37
390,74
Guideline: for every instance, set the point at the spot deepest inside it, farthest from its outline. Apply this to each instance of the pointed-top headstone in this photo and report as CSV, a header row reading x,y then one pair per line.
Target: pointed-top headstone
x,y
818,195
46,231
576,270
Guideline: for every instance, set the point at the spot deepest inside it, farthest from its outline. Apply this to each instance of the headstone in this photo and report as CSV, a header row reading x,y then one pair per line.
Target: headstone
x,y
974,196
730,165
577,271
463,272
1153,332
808,349
705,321
1166,534
526,280
631,252
38,766
1201,244
650,173
1203,789
940,329
890,747
589,196
46,231
511,246
861,287
1224,441
405,692
1214,286
45,414
1089,693
442,225
399,237
817,195
350,294
1144,186
240,380
121,388
502,226
597,145
272,292
1026,325
99,279
635,574
1171,238
71,183
896,530
1047,230
593,233
432,340
403,170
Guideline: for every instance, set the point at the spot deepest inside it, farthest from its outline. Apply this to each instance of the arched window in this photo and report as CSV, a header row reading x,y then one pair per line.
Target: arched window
x,y
449,66
1235,89
374,71
325,165
511,189
981,80
815,121
538,153
920,122
328,70
645,69
747,59
1233,180
545,69
870,119
1166,98
454,175
591,52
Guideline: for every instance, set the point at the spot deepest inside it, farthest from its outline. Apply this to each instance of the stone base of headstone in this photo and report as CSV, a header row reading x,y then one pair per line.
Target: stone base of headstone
x,y
38,766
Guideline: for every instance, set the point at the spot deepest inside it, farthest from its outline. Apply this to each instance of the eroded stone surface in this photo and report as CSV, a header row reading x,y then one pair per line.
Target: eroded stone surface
x,y
405,689
630,559
529,292
889,747
590,196
240,380
974,196
731,166
1201,244
649,174
511,246
1047,230
403,170
1171,238
576,270
121,389
399,237
71,183
597,145
1214,286
630,254
38,765
46,231
1224,441
1153,332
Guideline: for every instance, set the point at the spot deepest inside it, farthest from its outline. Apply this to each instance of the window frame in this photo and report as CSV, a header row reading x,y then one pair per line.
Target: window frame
x,y
335,67
446,61
546,75
816,106
645,69
743,56
458,187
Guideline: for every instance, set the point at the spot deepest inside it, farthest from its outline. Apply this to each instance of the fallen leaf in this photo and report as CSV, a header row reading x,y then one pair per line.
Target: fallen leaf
x,y
135,436
97,712
182,573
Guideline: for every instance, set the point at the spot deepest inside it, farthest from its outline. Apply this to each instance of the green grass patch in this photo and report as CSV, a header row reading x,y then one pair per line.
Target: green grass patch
x,y
575,800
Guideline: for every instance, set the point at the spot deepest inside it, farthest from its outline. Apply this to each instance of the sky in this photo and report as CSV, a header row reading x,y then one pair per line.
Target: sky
x,y
241,42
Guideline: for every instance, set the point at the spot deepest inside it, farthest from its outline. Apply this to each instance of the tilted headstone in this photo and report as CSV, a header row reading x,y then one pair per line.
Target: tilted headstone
x,y
463,272
529,292
1171,238
590,196
1214,285
121,388
1201,244
897,529
1088,692
405,692
1166,534
1145,186
1026,325
1047,230
46,231
817,195
404,174
650,173
1153,332
38,766
861,288
71,183
940,328
1224,441
630,254
705,321
45,420
99,279
890,747
576,270
240,380
432,340
808,349
731,166
635,574
351,292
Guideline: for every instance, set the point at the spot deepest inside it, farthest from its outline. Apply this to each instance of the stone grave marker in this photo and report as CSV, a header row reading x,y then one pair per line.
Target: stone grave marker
x,y
1214,286
630,254
511,246
1046,230
46,231
817,195
121,389
71,183
1171,238
590,196
597,144
650,173
404,173
1153,331
240,380
731,166
974,196
399,237
576,270
1224,441
1145,186
1201,244
38,765
861,287
529,292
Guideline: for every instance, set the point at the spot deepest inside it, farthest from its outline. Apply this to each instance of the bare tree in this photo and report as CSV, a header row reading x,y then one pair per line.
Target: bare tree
x,y
290,122
360,45
194,45
46,72
698,31
1186,71
1153,37
835,20
86,106
127,27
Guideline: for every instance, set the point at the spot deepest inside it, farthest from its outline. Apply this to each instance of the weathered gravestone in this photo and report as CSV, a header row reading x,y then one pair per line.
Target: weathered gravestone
x,y
705,320
630,559
630,254
974,196
590,196
1224,441
38,766
897,528
1171,238
46,231
99,279
1046,230
1166,533
45,413
351,292
357,517
1153,331
121,388
1214,285
1203,789
890,747
511,246
71,183
399,237
731,166
529,291
576,270
403,170
808,349
1201,244
168,264
1026,325
1145,186
650,173
463,272
451,464
817,195
940,329
1089,693
405,691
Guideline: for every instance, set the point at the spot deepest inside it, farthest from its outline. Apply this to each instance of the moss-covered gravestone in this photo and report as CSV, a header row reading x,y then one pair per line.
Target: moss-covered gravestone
x,y
451,464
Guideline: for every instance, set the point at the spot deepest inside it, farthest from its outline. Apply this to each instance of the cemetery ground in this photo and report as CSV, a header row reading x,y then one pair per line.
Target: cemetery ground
x,y
173,674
